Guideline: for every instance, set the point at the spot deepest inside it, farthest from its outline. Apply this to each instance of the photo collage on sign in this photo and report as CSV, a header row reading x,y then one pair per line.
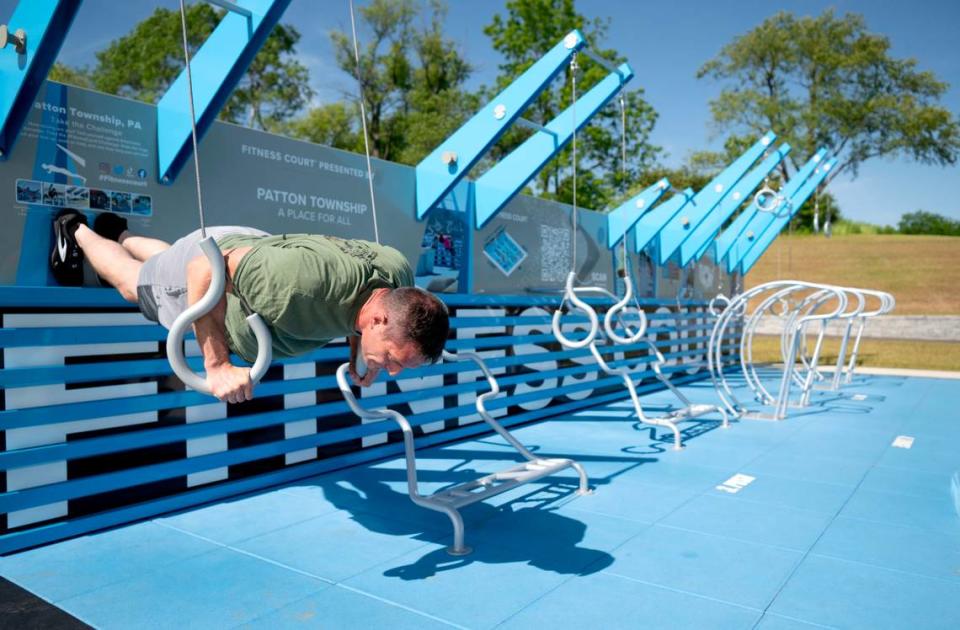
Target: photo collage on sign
x,y
504,252
68,196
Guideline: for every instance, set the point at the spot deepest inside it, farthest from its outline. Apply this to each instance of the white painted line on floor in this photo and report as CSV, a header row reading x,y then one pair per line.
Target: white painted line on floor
x,y
903,441
736,483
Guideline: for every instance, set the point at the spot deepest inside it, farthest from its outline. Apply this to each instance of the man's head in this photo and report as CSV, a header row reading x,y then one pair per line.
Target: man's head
x,y
402,328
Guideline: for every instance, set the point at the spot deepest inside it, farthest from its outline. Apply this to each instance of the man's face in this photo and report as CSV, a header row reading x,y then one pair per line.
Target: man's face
x,y
382,350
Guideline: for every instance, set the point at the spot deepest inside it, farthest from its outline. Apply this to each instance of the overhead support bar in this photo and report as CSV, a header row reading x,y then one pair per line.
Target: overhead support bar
x,y
232,7
678,229
700,240
611,67
217,68
759,220
622,218
439,172
495,188
750,219
649,225
35,34
763,241
529,124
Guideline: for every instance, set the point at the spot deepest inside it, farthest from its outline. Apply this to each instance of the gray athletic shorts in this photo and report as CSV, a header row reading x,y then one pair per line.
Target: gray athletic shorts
x,y
162,284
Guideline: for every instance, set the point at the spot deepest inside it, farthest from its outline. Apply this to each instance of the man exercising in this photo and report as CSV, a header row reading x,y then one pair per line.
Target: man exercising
x,y
307,288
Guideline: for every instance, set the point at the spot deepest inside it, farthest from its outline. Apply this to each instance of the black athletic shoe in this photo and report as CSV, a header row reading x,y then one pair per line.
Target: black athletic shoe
x,y
66,259
110,225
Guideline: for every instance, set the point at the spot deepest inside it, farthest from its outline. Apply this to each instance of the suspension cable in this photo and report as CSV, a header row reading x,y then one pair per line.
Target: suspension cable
x,y
363,120
573,113
193,116
623,164
816,211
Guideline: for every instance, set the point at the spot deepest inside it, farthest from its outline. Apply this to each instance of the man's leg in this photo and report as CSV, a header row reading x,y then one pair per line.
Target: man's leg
x,y
142,247
111,261
114,227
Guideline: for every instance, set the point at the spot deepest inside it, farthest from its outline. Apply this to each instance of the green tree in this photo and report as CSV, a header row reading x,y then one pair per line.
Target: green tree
x,y
332,124
143,64
827,80
439,102
411,78
680,178
528,30
62,73
922,222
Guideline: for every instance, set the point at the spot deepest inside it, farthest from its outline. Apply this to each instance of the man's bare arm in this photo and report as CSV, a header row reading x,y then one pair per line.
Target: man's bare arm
x,y
227,382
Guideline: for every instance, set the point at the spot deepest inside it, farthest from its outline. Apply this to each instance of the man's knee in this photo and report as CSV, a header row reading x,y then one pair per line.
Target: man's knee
x,y
128,291
126,280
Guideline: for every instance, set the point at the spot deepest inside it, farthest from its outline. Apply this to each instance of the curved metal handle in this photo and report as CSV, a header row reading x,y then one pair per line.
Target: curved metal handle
x,y
218,280
264,347
614,311
360,364
355,406
570,294
660,359
487,374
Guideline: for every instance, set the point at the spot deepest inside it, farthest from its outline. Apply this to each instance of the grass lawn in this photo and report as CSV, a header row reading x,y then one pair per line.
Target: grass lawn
x,y
888,353
922,272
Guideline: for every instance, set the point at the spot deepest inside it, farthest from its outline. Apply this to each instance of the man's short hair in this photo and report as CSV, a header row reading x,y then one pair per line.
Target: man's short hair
x,y
421,318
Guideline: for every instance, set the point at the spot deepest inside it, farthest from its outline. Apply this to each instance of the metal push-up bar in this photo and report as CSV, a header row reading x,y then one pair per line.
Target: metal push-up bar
x,y
450,500
737,308
793,338
887,304
849,317
688,411
859,315
797,317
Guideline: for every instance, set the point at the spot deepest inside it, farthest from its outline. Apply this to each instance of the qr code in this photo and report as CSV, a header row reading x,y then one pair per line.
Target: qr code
x,y
554,253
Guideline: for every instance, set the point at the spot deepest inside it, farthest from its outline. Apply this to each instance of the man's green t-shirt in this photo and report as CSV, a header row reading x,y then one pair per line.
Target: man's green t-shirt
x,y
307,288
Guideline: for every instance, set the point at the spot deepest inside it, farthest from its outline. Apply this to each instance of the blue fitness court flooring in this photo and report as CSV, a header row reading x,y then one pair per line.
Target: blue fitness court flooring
x,y
838,529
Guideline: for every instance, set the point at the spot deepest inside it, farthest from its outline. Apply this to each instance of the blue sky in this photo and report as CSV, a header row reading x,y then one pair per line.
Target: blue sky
x,y
665,42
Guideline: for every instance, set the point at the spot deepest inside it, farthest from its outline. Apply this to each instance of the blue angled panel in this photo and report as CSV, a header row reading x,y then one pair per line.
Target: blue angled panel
x,y
681,227
752,222
217,68
46,23
651,223
439,172
726,241
699,240
763,241
620,220
496,187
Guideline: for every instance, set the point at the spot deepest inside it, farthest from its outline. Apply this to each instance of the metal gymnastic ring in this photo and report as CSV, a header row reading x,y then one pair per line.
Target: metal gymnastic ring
x,y
571,295
764,193
203,306
712,306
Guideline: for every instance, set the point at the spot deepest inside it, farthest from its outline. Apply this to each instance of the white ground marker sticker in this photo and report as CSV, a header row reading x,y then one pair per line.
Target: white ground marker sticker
x,y
736,483
859,397
903,441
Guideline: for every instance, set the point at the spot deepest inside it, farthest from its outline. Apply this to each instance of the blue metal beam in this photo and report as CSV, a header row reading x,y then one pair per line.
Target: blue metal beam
x,y
46,24
496,187
650,224
217,67
700,239
439,172
763,241
752,221
622,218
678,229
